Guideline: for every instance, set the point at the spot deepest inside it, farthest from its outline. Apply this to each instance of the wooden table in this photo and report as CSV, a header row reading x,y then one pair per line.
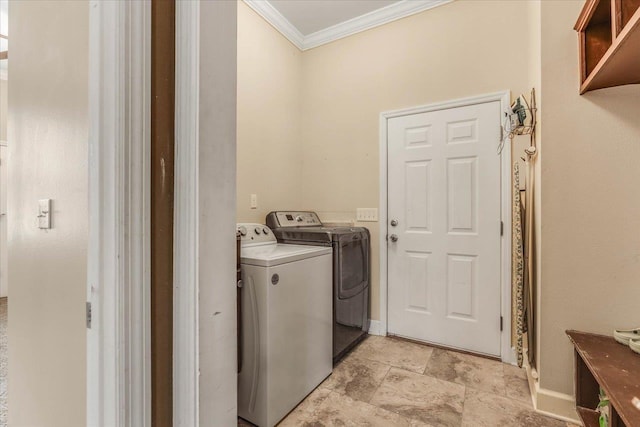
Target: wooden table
x,y
602,362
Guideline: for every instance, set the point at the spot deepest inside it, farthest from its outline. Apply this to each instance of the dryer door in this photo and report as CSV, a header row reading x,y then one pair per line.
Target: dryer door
x,y
352,264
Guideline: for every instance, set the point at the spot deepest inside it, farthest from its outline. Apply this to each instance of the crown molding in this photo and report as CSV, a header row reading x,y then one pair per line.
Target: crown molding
x,y
367,21
370,20
278,21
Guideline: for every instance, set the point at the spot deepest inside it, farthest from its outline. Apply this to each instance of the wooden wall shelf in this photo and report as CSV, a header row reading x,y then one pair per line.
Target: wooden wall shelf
x,y
609,35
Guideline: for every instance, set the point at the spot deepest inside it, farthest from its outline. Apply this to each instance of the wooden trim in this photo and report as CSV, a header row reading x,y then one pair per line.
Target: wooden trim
x,y
118,386
205,376
383,221
186,241
583,59
507,351
137,122
373,19
162,206
616,18
586,13
551,403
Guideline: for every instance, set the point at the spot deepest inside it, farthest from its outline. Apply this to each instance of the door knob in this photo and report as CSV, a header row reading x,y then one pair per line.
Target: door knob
x,y
394,222
393,238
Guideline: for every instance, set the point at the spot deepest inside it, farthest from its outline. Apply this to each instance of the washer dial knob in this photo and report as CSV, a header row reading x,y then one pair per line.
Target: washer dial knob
x,y
257,230
265,230
243,230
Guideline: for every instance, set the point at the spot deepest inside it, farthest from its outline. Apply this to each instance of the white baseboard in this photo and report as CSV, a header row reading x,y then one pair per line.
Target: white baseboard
x,y
551,403
374,327
557,405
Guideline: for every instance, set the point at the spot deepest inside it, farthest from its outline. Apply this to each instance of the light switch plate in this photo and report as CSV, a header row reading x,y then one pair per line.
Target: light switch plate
x,y
254,201
44,214
367,214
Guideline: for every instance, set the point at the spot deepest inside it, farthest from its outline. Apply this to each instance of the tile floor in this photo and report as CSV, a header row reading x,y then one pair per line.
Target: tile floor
x,y
391,382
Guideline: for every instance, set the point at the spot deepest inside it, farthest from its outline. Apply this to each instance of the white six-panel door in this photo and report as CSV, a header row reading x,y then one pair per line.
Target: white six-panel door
x,y
444,197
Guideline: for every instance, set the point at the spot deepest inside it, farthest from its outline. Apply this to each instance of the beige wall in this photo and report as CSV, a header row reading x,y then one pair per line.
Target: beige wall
x,y
590,202
3,110
269,144
453,51
48,130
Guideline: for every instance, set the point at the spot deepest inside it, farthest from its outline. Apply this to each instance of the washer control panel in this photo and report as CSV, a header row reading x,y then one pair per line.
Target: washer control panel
x,y
251,233
296,219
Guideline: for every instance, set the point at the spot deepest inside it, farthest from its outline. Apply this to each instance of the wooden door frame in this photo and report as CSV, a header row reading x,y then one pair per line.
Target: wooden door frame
x,y
119,164
118,285
118,280
163,84
507,352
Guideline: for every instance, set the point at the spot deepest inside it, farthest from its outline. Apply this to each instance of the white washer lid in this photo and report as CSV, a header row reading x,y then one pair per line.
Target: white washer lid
x,y
278,253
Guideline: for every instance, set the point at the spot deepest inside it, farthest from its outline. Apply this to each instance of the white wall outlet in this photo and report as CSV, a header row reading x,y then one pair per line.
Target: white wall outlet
x,y
44,213
254,201
367,214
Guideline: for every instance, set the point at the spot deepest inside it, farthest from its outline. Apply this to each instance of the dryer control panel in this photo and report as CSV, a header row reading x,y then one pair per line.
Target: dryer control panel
x,y
282,219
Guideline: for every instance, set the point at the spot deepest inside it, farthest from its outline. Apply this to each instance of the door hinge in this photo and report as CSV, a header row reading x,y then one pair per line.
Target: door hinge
x,y
501,228
501,323
88,315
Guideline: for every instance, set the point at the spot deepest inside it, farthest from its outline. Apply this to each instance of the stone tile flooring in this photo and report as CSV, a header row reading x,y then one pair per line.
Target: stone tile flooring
x,y
391,382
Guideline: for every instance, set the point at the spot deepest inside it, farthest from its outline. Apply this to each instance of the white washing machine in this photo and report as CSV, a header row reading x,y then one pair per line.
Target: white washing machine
x,y
286,324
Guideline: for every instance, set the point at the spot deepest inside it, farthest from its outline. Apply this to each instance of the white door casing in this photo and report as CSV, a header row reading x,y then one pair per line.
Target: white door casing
x,y
4,286
186,244
442,184
118,342
205,339
118,281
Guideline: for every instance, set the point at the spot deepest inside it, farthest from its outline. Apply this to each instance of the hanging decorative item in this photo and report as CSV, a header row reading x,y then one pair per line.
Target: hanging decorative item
x,y
517,259
520,119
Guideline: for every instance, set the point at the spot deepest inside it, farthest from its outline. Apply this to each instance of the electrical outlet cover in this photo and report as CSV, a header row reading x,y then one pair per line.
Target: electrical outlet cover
x,y
367,214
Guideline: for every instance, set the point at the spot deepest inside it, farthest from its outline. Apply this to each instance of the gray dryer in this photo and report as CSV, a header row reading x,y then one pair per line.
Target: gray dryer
x,y
351,270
